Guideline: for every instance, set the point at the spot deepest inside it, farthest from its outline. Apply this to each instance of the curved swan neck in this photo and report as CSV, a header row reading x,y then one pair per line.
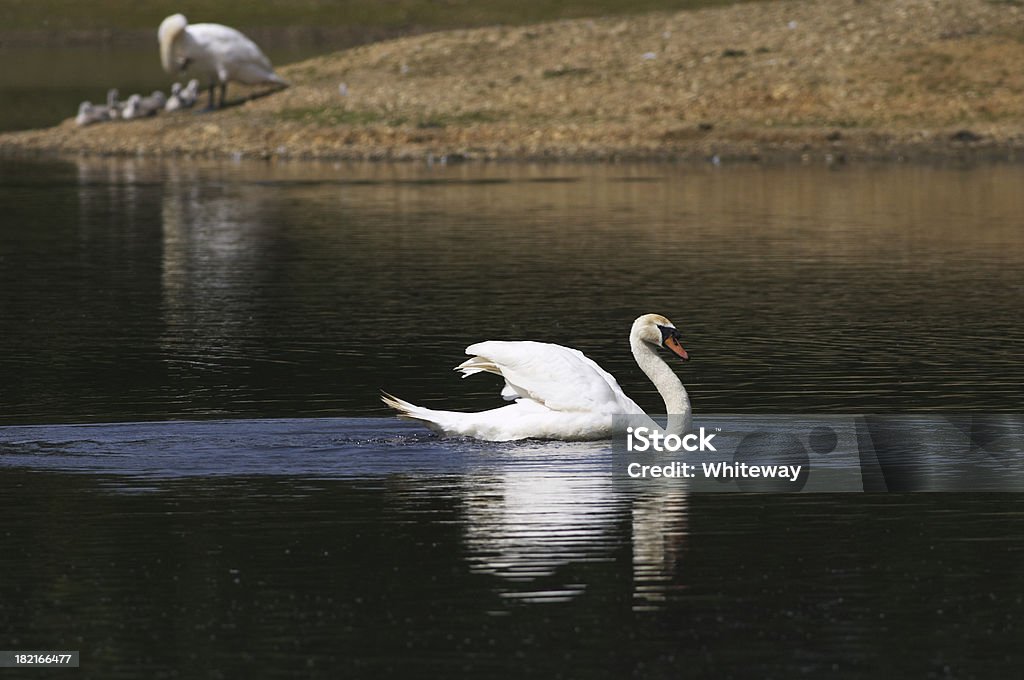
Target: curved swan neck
x,y
677,402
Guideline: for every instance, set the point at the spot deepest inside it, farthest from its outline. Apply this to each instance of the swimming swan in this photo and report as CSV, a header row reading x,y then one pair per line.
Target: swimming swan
x,y
218,53
558,392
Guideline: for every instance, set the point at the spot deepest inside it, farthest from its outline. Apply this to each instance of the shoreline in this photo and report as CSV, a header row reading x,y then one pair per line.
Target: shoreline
x,y
797,150
776,82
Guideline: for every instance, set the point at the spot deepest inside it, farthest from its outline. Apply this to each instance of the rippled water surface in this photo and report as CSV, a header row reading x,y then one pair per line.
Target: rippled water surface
x,y
139,290
285,521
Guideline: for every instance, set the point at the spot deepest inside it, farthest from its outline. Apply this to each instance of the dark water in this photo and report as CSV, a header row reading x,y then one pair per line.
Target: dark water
x,y
294,529
141,291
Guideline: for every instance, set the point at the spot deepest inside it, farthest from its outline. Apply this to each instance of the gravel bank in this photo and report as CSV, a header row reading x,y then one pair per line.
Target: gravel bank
x,y
838,80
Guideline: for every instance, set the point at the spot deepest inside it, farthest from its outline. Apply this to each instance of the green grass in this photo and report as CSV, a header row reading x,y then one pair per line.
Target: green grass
x,y
63,15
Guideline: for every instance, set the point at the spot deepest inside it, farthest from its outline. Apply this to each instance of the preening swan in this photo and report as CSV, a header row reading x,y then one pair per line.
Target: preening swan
x,y
558,392
218,54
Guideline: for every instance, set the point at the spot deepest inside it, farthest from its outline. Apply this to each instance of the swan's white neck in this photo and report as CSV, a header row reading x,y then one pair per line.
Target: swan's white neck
x,y
677,402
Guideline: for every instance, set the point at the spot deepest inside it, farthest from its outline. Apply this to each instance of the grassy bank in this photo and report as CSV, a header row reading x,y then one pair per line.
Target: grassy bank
x,y
788,80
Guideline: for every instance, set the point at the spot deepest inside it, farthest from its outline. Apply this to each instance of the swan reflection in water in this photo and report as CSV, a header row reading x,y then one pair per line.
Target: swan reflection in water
x,y
545,525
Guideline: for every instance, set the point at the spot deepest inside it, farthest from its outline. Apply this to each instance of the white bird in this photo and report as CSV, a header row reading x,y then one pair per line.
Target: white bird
x,y
218,53
182,97
113,105
174,100
138,106
191,92
558,392
89,113
131,107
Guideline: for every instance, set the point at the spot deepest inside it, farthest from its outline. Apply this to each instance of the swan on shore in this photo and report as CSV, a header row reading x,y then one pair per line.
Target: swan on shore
x,y
138,106
182,97
114,106
217,53
559,393
89,113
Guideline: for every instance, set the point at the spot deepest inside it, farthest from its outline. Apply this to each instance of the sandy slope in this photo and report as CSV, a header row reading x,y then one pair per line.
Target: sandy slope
x,y
831,80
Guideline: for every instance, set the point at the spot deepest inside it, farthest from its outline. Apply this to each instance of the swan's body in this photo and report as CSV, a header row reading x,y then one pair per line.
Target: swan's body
x,y
216,53
559,393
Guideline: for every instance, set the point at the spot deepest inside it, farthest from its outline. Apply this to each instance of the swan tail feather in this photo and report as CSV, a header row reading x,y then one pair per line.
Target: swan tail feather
x,y
409,411
404,408
485,425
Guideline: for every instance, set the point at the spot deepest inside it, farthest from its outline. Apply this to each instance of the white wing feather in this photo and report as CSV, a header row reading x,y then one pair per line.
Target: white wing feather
x,y
559,378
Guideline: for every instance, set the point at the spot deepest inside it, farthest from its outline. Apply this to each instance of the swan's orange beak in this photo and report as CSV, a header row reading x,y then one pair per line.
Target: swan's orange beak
x,y
672,344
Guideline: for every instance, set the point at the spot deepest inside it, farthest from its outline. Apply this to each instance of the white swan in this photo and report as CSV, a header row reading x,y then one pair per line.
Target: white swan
x,y
138,106
89,113
218,53
558,392
174,99
114,106
182,97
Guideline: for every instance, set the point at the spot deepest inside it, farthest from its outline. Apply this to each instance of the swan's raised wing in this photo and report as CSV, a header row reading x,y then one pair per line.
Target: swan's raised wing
x,y
560,378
